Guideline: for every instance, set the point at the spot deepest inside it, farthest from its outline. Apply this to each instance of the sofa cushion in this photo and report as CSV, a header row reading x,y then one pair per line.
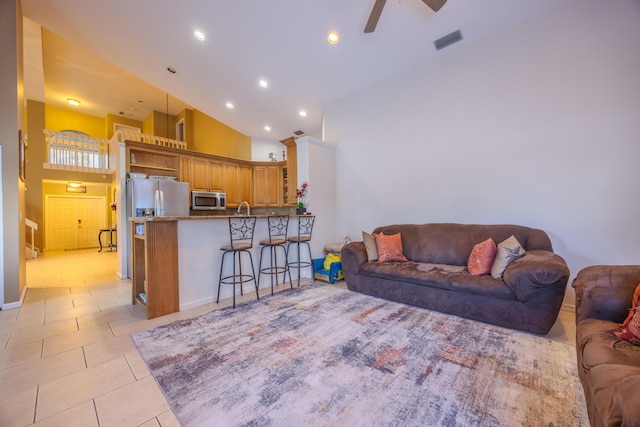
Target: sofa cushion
x,y
631,331
508,251
481,258
455,278
370,246
598,346
614,391
446,243
389,247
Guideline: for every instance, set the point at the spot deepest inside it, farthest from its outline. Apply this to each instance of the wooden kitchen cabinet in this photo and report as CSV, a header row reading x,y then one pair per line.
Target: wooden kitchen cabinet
x,y
185,169
206,175
151,161
154,278
237,183
290,179
267,185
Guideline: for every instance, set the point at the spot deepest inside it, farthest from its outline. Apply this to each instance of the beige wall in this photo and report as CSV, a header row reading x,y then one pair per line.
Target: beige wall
x,y
111,120
11,120
33,199
187,115
214,137
59,119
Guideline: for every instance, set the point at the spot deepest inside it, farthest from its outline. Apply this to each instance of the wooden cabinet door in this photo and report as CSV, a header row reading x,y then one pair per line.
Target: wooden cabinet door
x,y
292,172
273,186
199,177
260,186
185,169
244,184
231,184
215,175
266,185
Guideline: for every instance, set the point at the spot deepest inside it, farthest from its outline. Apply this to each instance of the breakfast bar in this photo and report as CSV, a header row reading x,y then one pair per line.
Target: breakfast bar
x,y
176,260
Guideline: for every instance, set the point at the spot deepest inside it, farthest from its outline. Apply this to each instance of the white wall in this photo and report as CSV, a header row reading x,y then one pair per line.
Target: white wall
x,y
538,126
261,147
316,166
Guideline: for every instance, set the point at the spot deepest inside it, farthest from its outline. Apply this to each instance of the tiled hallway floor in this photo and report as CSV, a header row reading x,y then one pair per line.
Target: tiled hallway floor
x,y
66,357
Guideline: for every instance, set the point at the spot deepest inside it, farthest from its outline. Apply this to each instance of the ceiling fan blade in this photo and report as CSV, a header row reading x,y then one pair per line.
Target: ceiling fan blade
x,y
435,5
375,15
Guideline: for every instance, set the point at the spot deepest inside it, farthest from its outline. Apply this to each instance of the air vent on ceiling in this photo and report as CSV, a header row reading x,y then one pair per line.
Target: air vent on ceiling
x,y
448,40
298,132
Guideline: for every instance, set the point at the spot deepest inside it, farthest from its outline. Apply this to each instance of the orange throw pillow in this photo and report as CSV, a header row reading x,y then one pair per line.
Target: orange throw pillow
x,y
481,258
389,247
634,304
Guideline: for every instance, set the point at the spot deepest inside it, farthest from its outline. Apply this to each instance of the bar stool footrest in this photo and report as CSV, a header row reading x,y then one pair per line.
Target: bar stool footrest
x,y
239,279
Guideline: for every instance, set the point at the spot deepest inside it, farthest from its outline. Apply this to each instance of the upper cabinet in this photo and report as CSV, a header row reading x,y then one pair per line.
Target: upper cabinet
x,y
205,174
290,178
237,183
267,184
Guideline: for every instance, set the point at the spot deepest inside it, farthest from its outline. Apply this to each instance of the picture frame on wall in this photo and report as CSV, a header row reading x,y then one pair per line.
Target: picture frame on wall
x,y
22,147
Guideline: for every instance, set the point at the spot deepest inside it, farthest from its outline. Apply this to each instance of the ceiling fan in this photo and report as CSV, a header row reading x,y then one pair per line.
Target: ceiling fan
x,y
435,5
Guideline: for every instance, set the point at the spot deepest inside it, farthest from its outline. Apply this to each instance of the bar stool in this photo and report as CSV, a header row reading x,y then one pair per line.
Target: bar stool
x,y
241,233
278,227
305,226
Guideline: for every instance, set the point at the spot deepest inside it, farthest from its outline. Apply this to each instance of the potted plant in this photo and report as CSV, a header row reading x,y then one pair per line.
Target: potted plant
x,y
300,194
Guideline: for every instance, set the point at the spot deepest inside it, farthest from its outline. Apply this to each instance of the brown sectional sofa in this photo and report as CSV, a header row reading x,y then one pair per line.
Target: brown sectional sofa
x,y
528,296
609,367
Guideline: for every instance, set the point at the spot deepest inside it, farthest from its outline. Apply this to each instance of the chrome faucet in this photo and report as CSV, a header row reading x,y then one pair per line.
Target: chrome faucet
x,y
248,208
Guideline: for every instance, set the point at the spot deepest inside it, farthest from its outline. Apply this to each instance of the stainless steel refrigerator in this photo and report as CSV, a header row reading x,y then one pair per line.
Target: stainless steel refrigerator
x,y
160,197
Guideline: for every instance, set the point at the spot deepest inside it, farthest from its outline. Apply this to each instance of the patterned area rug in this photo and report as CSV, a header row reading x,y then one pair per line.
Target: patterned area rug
x,y
324,356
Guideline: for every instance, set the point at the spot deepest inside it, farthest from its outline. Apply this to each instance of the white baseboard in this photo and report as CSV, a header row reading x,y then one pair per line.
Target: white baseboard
x,y
17,304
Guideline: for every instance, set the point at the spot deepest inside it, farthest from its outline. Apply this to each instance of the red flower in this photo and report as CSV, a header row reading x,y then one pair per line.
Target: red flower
x,y
300,192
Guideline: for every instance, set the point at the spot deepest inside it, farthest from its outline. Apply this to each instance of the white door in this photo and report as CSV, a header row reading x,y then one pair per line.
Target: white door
x,y
73,222
90,220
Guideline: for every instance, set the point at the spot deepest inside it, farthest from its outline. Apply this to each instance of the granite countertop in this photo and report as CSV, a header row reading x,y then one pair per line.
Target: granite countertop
x,y
141,219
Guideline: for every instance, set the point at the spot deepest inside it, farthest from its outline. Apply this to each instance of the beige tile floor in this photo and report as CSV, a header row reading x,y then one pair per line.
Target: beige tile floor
x,y
66,357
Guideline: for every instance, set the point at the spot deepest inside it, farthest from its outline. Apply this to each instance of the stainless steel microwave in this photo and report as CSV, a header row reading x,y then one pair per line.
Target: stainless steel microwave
x,y
208,201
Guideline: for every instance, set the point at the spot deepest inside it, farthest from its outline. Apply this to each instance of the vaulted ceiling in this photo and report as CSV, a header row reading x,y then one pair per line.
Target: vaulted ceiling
x,y
114,55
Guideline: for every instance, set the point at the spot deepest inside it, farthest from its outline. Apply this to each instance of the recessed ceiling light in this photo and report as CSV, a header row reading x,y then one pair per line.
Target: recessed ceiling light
x,y
303,113
333,37
73,102
263,83
198,35
229,105
267,128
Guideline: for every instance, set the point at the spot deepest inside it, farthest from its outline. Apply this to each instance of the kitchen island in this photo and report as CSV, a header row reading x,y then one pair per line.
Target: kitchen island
x,y
176,260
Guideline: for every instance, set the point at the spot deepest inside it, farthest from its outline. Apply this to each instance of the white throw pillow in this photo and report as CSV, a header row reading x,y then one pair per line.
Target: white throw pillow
x,y
370,246
509,250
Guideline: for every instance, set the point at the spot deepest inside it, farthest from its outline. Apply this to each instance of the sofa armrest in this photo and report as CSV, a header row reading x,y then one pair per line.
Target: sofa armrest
x,y
537,272
605,291
353,255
